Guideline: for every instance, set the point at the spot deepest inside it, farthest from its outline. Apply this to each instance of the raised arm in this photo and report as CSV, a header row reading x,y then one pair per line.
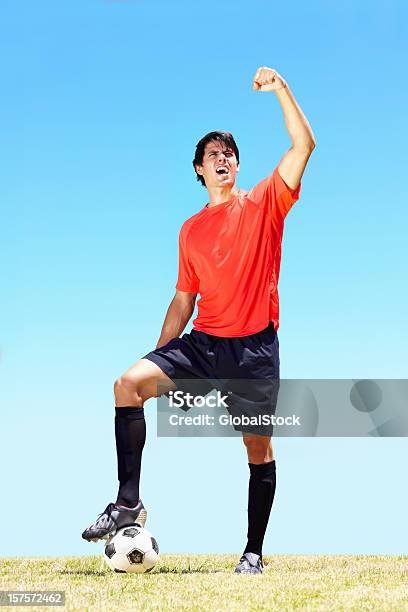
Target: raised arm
x,y
293,163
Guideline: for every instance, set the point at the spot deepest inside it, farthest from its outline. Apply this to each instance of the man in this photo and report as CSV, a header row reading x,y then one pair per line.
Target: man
x,y
230,253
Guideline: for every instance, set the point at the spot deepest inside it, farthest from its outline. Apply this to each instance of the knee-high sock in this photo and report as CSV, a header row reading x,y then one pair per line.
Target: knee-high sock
x,y
262,484
130,432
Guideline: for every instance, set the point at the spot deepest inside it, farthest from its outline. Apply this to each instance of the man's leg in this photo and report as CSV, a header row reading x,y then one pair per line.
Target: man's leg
x,y
131,390
262,483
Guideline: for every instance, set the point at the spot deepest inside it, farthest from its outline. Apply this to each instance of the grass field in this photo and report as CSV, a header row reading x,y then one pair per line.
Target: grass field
x,y
207,583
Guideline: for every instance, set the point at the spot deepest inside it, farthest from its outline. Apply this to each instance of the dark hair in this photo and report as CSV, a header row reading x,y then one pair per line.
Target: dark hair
x,y
224,137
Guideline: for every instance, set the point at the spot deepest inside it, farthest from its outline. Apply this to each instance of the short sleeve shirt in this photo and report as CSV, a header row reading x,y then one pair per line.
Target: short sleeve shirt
x,y
230,254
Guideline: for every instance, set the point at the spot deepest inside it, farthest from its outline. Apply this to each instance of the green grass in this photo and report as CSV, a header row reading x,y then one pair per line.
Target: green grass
x,y
203,582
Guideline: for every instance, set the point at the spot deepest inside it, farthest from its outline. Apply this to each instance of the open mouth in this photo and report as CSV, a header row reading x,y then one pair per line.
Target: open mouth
x,y
222,170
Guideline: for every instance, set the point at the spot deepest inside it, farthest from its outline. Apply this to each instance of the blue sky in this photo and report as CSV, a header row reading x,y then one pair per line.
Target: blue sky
x,y
102,105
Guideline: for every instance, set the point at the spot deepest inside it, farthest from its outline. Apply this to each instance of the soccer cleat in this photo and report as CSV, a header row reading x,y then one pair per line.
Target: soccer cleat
x,y
249,563
114,518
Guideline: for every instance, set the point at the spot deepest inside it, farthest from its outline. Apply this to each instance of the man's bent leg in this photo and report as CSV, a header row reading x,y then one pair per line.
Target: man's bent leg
x,y
132,389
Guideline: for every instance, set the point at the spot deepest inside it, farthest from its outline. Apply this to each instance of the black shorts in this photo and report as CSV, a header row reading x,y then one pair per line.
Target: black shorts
x,y
246,366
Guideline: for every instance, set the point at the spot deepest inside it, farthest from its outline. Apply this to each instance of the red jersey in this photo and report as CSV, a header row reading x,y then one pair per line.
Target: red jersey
x,y
230,254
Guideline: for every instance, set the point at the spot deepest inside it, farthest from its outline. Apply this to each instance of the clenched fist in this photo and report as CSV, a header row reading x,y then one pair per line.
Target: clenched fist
x,y
267,79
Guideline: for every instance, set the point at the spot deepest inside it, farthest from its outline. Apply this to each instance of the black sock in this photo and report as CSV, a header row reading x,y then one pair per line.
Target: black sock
x,y
130,432
262,484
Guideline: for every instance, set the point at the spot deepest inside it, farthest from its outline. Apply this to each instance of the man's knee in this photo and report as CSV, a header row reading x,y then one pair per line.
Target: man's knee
x,y
125,385
121,384
259,448
134,389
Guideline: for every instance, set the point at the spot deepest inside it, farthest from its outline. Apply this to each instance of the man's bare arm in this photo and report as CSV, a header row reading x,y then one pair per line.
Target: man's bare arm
x,y
178,315
293,163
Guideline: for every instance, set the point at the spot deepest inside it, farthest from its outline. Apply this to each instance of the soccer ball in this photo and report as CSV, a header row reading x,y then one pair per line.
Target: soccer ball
x,y
132,549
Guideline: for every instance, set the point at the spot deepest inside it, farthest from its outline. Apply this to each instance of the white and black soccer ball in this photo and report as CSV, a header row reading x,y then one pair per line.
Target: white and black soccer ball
x,y
132,549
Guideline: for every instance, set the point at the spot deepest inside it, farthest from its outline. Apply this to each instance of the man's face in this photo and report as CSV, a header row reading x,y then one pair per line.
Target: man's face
x,y
220,166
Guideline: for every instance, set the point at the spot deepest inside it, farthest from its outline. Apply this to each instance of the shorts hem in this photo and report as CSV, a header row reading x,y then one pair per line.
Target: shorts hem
x,y
164,365
245,430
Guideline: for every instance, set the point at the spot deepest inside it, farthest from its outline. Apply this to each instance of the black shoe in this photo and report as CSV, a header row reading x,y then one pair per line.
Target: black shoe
x,y
249,563
114,518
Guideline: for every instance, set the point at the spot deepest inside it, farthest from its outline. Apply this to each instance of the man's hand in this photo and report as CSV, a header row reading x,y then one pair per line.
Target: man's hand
x,y
267,79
